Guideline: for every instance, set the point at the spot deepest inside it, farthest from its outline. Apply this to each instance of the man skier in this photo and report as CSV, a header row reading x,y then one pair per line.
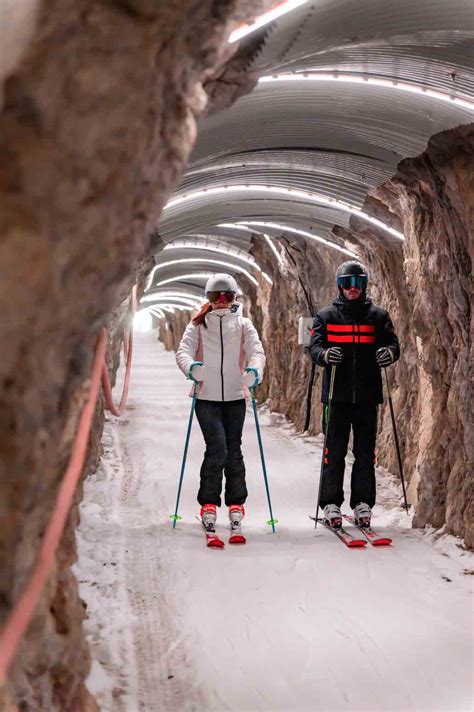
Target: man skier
x,y
358,339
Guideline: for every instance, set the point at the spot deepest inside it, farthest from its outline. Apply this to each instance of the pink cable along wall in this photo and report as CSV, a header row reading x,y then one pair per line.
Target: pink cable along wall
x,y
24,608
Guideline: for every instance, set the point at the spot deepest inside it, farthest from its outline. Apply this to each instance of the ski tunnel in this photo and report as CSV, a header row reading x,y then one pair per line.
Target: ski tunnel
x,y
145,147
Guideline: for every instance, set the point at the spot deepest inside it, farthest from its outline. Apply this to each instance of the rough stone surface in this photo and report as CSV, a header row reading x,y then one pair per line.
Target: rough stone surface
x,y
96,124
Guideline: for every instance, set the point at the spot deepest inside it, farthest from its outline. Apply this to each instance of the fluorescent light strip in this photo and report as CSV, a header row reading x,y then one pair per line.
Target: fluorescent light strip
x,y
354,78
233,226
157,312
274,249
180,307
289,193
218,249
180,277
194,260
303,233
265,18
175,300
191,298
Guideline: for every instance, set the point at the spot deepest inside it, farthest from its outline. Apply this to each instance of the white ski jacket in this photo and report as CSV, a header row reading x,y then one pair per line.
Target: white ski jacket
x,y
227,346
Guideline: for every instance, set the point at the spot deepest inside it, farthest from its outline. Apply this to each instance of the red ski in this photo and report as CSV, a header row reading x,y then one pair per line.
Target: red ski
x,y
213,541
374,537
343,535
237,539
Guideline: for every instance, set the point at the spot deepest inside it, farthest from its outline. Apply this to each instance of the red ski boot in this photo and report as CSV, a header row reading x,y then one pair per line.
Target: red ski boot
x,y
236,514
208,519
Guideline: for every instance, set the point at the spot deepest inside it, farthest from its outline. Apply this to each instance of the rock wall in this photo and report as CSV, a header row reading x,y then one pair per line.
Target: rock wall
x,y
96,124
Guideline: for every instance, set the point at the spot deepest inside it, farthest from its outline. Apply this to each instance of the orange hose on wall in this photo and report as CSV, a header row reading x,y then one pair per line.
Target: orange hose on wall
x,y
23,610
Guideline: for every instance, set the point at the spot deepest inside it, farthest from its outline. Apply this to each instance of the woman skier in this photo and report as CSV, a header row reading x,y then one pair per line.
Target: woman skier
x,y
221,351
357,338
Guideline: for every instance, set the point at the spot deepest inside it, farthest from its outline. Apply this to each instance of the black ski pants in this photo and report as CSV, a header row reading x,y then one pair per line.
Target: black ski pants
x,y
222,424
363,420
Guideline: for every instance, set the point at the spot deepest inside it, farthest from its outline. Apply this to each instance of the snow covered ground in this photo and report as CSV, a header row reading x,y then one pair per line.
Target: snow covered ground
x,y
291,621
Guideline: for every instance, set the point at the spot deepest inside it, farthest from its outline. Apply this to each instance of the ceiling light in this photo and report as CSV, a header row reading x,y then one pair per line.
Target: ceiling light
x,y
185,296
195,246
179,301
358,78
303,233
274,13
194,260
180,277
287,192
233,226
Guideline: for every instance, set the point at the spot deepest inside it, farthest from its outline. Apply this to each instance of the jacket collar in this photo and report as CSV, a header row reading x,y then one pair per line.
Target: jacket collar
x,y
219,313
353,309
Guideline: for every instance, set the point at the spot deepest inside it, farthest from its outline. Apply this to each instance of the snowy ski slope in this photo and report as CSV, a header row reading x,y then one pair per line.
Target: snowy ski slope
x,y
291,621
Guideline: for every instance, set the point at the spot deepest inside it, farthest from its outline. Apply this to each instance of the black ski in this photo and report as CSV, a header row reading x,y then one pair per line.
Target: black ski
x,y
371,535
342,534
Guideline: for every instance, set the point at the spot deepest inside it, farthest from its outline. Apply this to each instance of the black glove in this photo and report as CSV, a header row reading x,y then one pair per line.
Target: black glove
x,y
333,356
384,357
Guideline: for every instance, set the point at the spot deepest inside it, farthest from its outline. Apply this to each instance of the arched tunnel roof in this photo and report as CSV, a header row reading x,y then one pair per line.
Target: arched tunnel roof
x,y
346,91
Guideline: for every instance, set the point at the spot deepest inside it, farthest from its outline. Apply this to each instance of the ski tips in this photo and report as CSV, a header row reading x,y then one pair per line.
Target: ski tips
x,y
356,543
215,543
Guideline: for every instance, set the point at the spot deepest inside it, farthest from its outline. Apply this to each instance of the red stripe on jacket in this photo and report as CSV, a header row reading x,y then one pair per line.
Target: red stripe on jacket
x,y
352,328
354,338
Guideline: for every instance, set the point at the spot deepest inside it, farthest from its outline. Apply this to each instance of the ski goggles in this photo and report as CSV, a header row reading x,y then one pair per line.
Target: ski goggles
x,y
226,296
346,281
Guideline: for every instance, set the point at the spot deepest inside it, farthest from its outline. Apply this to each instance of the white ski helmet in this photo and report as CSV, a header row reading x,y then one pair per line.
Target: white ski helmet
x,y
221,283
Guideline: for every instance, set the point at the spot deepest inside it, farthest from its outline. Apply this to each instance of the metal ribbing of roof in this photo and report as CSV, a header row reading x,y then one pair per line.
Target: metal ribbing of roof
x,y
369,121
325,135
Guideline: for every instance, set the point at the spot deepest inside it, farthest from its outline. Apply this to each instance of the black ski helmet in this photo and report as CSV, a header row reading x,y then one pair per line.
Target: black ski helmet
x,y
349,269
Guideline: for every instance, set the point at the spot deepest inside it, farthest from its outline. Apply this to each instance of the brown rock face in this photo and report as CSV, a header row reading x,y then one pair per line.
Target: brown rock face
x,y
96,124
436,196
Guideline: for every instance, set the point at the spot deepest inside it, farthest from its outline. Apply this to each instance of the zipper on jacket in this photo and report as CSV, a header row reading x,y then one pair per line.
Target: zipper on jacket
x,y
353,365
222,357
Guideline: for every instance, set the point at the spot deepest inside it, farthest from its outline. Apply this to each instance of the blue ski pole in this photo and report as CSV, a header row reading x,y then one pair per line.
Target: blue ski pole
x,y
176,516
271,521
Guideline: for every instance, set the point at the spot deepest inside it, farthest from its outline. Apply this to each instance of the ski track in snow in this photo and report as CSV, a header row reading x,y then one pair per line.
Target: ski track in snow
x,y
291,621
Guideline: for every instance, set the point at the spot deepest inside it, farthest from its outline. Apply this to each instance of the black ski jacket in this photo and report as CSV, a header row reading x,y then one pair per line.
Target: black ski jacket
x,y
359,328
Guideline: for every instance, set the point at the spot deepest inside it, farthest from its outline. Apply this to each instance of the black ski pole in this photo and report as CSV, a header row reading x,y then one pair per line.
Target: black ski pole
x,y
308,397
397,445
326,432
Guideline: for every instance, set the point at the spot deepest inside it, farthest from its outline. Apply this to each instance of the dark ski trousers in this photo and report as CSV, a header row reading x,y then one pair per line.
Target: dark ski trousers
x,y
363,419
221,424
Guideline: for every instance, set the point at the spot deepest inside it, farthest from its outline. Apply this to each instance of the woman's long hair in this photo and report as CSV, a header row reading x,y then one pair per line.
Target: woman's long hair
x,y
200,318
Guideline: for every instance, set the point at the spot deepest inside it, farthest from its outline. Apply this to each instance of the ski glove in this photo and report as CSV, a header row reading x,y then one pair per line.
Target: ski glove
x,y
333,356
250,377
384,357
197,372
